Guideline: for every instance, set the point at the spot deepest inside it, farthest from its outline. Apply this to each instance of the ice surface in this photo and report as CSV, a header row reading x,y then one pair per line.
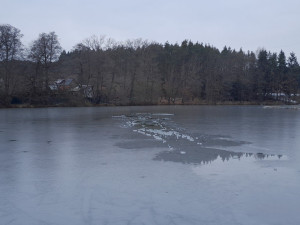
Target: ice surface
x,y
139,165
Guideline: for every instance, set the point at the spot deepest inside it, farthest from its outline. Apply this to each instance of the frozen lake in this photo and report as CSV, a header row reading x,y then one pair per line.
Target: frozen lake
x,y
150,165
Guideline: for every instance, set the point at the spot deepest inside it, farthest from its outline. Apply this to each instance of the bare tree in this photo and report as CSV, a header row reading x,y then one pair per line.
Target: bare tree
x,y
44,51
10,50
94,43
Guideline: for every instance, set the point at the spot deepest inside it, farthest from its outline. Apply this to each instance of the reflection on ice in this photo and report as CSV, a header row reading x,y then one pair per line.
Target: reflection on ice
x,y
238,165
208,155
182,146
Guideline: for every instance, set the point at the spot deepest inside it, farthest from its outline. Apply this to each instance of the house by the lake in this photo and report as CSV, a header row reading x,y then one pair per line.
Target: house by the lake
x,y
63,84
70,85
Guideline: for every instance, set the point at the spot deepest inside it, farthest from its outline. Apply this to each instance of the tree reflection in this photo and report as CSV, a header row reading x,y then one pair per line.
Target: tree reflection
x,y
208,155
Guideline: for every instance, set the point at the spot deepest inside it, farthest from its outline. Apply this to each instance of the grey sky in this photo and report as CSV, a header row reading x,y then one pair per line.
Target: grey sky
x,y
250,24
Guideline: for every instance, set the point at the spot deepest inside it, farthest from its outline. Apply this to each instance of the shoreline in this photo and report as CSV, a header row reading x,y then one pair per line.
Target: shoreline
x,y
227,103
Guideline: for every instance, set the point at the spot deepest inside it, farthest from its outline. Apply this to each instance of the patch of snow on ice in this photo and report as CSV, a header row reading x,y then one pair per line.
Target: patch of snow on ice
x,y
170,148
163,114
187,137
158,138
163,132
121,116
224,138
158,128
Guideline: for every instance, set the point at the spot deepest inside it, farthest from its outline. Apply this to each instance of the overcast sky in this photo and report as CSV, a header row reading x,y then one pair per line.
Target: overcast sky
x,y
247,24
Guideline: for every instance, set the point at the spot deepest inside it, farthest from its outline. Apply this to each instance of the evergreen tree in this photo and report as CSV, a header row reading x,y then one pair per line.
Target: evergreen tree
x,y
282,72
293,74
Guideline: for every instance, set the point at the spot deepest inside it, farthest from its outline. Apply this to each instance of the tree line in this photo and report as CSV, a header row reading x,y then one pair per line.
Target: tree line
x,y
141,72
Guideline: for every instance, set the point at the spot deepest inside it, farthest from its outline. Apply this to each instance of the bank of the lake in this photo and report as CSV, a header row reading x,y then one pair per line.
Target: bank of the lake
x,y
90,104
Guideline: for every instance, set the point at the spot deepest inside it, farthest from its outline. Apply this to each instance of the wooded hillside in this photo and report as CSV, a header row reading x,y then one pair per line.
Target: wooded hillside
x,y
140,72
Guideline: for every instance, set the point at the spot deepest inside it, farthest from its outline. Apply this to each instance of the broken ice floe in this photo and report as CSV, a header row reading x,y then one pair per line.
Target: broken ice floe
x,y
153,125
162,128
